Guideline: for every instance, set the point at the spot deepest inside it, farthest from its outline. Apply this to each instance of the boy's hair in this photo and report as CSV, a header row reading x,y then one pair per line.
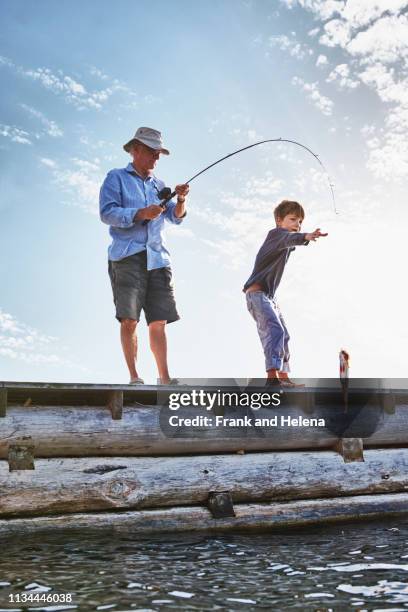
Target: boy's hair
x,y
288,207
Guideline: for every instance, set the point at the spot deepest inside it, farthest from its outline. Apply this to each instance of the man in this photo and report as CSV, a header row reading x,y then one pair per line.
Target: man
x,y
139,263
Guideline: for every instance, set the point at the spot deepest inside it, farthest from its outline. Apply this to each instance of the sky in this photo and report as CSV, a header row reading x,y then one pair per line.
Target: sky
x,y
78,79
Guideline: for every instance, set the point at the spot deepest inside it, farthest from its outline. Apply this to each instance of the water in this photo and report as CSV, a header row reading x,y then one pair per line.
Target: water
x,y
342,567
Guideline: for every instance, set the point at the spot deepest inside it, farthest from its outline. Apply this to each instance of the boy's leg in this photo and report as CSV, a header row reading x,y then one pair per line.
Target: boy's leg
x,y
284,373
270,330
286,354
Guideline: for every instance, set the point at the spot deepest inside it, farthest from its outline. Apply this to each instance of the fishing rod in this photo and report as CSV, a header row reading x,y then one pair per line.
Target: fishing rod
x,y
166,194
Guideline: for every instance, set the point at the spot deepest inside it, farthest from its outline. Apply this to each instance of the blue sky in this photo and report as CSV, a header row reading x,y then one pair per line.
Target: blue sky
x,y
79,78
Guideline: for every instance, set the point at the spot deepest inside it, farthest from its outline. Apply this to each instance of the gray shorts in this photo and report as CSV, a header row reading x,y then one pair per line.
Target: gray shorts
x,y
136,288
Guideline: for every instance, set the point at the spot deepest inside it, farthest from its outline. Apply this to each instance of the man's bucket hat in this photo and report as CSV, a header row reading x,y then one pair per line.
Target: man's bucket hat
x,y
150,137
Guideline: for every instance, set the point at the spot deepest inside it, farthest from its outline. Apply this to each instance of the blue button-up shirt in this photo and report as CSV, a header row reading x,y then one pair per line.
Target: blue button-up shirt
x,y
122,194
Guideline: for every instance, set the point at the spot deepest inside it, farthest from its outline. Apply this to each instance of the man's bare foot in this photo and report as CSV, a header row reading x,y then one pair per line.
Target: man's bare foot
x,y
136,381
168,381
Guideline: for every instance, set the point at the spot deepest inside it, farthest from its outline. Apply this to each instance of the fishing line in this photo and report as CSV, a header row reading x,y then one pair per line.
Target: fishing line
x,y
166,194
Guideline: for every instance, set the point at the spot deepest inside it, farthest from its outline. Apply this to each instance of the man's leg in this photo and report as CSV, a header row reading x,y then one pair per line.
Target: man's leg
x,y
129,282
129,345
158,345
160,310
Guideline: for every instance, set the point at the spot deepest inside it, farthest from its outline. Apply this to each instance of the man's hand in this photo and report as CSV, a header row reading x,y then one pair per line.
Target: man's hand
x,y
148,213
314,235
182,191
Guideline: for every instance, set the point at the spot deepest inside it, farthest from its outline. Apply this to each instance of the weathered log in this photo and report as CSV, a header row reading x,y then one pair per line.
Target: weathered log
x,y
81,484
277,515
62,431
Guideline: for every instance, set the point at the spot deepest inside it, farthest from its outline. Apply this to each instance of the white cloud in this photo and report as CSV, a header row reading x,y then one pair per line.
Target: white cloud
x,y
98,73
82,181
73,86
323,8
48,162
242,226
289,3
72,91
360,13
322,60
324,104
66,86
382,79
15,134
179,231
253,135
341,76
244,216
291,45
51,128
387,147
5,61
385,41
388,158
336,33
368,130
23,343
20,136
397,120
265,187
355,14
374,36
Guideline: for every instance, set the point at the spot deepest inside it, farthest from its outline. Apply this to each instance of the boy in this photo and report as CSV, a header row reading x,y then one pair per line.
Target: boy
x,y
261,287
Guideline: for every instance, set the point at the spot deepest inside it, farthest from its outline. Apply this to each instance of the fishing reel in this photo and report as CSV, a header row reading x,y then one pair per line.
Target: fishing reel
x,y
164,196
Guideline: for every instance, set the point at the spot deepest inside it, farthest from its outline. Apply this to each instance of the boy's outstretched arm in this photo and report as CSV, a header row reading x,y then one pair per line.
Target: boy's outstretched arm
x,y
314,235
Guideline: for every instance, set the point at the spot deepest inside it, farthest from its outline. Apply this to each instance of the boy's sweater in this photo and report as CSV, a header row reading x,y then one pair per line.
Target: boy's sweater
x,y
272,257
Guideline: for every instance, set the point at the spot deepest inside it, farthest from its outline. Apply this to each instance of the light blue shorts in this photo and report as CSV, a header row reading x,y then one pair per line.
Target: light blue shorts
x,y
272,330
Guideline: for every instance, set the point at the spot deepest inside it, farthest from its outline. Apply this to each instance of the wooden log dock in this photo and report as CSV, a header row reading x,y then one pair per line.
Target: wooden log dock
x,y
104,457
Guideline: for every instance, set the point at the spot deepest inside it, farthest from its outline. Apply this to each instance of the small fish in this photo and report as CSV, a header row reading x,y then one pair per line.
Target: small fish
x,y
344,358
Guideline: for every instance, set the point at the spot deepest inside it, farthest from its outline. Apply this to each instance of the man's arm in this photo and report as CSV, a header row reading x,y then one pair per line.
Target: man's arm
x,y
176,212
182,192
148,213
111,210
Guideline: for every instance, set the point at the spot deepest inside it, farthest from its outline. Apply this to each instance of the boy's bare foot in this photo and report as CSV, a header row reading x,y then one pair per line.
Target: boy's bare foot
x,y
286,382
272,378
273,381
